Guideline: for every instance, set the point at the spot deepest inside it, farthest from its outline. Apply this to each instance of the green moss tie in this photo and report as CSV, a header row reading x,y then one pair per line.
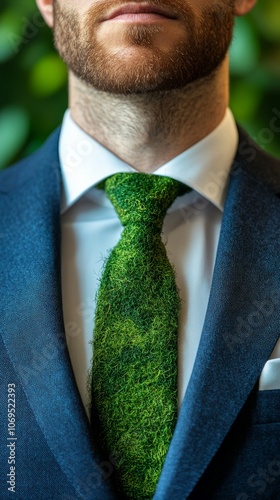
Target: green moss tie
x,y
134,371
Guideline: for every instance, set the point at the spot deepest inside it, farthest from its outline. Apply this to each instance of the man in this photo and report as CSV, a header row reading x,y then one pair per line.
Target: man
x,y
148,88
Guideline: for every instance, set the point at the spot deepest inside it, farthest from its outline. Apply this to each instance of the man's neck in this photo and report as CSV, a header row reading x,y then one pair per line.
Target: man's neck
x,y
146,131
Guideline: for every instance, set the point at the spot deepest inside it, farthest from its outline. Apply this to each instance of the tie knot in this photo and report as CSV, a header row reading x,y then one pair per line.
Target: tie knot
x,y
142,198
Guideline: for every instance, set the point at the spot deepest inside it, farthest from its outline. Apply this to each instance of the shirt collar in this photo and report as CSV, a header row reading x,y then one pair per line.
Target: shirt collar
x,y
204,167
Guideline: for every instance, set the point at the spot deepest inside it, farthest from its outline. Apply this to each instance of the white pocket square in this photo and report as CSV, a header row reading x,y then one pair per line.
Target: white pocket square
x,y
270,376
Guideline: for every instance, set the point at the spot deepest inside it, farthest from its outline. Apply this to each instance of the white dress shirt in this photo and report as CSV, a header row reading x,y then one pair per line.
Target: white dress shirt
x,y
91,228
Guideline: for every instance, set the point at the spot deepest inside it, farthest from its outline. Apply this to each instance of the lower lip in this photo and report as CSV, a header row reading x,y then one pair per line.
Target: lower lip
x,y
140,18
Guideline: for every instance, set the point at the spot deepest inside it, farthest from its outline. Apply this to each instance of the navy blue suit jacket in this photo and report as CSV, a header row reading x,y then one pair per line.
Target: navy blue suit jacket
x,y
226,444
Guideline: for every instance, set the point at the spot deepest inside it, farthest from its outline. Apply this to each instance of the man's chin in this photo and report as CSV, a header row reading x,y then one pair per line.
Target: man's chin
x,y
131,84
126,74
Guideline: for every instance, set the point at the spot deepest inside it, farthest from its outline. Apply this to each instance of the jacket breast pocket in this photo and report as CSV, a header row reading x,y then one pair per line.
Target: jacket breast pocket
x,y
267,407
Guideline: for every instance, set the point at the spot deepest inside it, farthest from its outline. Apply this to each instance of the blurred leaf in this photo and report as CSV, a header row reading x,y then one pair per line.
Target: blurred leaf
x,y
33,53
14,128
10,34
48,75
245,100
267,19
244,51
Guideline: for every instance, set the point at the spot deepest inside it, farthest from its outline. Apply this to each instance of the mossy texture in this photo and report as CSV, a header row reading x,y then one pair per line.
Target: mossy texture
x,y
134,370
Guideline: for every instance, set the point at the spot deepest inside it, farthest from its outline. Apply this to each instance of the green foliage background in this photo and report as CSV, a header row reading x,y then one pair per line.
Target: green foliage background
x,y
33,83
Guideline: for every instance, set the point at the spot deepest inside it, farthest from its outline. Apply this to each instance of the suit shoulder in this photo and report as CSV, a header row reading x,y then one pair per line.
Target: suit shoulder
x,y
30,166
257,162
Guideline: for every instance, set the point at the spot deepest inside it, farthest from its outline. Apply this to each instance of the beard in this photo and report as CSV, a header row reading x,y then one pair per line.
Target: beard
x,y
142,59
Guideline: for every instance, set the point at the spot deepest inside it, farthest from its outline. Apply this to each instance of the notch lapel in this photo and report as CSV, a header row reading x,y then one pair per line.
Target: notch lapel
x,y
241,328
32,315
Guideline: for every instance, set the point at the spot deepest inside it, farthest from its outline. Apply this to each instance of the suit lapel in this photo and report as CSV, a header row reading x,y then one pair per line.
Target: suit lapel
x,y
240,330
32,315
